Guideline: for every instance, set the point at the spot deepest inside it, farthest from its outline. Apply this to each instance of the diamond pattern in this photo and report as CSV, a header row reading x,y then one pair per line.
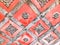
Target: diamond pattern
x,y
42,5
27,14
3,40
51,14
7,4
26,38
29,22
11,29
39,28
50,38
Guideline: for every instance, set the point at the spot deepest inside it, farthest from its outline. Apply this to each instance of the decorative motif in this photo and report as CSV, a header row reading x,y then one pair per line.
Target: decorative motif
x,y
29,14
49,38
25,38
25,15
39,28
54,13
8,5
11,29
43,2
6,2
29,22
42,5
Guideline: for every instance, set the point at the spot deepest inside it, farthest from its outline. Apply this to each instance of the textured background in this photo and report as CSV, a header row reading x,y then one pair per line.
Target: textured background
x,y
29,22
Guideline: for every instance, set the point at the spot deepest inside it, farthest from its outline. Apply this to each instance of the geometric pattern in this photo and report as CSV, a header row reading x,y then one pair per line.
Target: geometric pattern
x,y
29,22
49,38
42,5
24,15
11,29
